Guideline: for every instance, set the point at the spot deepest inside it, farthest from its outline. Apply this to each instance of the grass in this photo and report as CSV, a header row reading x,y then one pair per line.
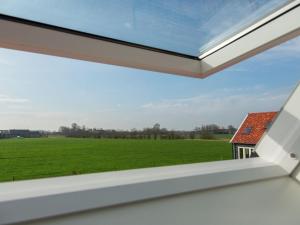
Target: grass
x,y
48,157
223,136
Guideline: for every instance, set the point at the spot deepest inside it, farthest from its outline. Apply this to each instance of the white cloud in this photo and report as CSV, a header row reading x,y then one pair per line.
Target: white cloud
x,y
288,50
10,100
128,25
224,108
290,47
236,68
6,62
44,120
52,120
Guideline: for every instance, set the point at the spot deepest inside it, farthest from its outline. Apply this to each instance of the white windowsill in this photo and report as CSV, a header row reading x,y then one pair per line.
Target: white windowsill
x,y
57,196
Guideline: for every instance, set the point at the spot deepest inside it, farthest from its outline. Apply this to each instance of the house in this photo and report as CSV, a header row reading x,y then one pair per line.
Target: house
x,y
25,133
4,133
20,133
249,134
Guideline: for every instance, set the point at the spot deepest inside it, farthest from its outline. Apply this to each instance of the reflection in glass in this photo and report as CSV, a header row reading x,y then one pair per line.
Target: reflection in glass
x,y
187,27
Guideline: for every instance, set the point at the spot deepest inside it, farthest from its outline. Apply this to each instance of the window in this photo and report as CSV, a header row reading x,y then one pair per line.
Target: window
x,y
55,197
247,130
167,37
71,117
28,111
268,125
241,153
246,152
188,28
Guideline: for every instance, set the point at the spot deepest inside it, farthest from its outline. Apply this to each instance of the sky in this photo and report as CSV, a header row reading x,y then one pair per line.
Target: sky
x,y
42,92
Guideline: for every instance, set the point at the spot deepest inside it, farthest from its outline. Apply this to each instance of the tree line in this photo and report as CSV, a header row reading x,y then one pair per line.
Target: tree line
x,y
155,132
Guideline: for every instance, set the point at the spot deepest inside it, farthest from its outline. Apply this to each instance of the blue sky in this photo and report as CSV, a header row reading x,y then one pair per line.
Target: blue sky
x,y
45,92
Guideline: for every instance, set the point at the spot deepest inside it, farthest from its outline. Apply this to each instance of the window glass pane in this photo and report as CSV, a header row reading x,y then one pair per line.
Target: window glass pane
x,y
188,27
60,116
247,130
241,152
247,153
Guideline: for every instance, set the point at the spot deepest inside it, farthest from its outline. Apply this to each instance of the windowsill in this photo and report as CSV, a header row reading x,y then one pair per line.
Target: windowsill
x,y
35,199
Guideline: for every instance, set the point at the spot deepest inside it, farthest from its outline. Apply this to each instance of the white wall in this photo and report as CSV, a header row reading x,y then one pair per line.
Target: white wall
x,y
269,202
283,138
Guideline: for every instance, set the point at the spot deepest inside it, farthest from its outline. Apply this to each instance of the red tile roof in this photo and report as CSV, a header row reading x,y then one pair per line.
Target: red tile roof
x,y
253,127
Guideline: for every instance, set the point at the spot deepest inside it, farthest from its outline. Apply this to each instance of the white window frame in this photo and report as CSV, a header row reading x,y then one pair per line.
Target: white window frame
x,y
244,149
44,198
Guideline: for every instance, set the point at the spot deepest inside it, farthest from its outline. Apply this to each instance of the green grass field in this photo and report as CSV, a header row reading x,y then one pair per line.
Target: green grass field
x,y
48,157
223,136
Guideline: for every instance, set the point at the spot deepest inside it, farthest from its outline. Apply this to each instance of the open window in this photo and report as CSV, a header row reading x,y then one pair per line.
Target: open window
x,y
183,38
135,38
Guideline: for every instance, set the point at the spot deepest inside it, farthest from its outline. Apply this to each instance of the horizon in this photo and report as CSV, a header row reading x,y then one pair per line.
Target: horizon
x,y
117,129
40,92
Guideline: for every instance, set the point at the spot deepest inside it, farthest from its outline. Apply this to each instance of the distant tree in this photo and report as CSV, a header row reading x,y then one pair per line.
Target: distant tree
x,y
231,129
156,127
133,133
147,133
206,131
64,130
75,126
192,135
207,135
156,130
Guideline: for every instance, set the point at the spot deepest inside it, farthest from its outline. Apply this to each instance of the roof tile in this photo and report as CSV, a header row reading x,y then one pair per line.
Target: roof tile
x,y
257,123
